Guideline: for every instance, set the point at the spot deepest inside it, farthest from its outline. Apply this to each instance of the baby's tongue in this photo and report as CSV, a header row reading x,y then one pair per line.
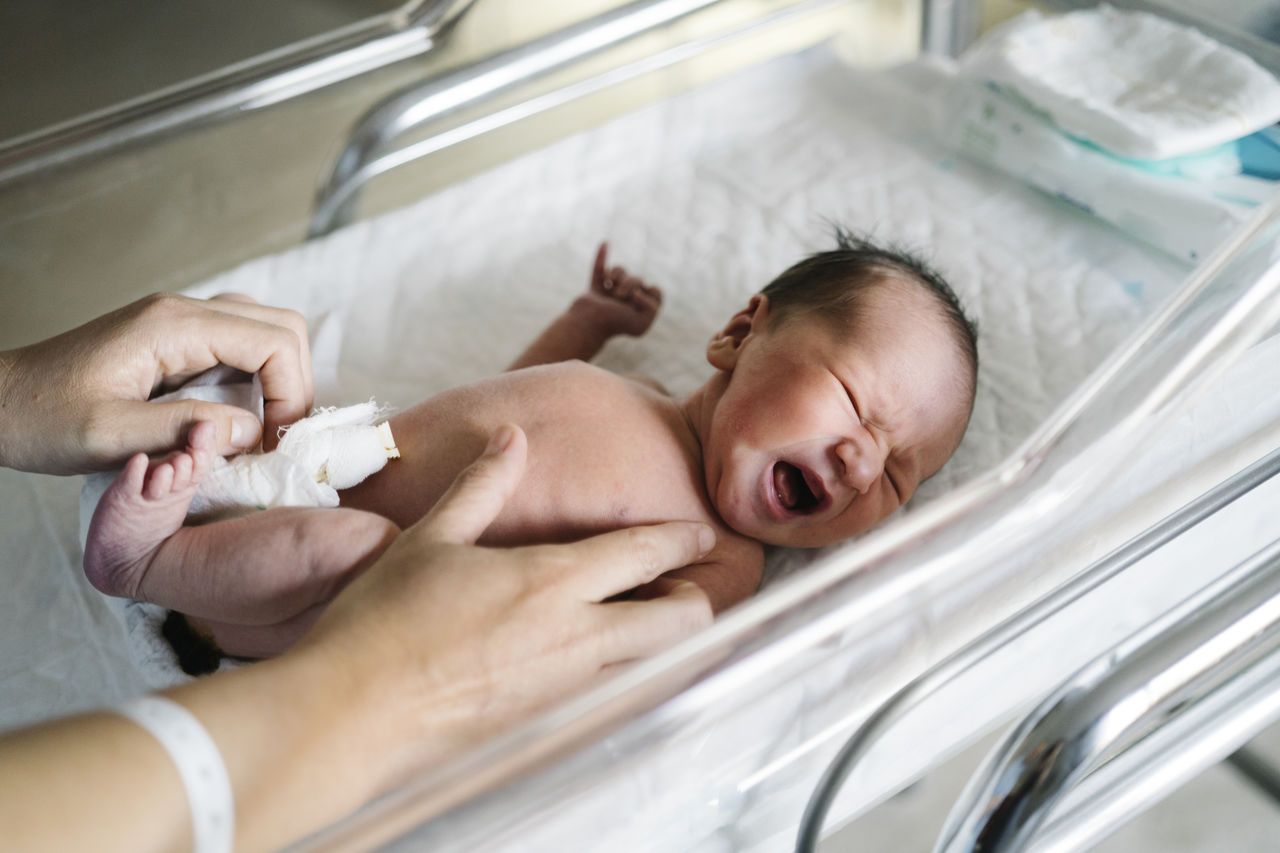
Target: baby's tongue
x,y
786,481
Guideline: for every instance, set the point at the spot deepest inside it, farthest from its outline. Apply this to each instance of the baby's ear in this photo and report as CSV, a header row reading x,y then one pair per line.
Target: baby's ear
x,y
727,343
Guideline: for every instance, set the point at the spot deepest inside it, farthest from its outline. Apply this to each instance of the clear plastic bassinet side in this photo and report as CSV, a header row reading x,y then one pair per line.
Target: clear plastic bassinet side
x,y
833,633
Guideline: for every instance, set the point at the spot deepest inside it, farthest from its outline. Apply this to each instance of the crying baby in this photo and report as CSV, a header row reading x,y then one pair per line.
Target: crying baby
x,y
835,392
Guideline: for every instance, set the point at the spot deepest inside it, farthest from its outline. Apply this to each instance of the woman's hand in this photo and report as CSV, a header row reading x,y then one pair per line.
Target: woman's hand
x,y
451,641
77,402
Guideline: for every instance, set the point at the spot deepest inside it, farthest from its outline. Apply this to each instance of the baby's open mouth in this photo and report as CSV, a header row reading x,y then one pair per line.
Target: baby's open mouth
x,y
793,489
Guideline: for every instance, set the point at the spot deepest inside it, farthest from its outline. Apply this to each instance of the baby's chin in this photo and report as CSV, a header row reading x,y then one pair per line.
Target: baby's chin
x,y
793,535
788,536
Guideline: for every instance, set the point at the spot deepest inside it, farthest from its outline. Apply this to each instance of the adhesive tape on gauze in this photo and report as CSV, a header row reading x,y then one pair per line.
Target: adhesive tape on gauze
x,y
353,454
336,448
330,450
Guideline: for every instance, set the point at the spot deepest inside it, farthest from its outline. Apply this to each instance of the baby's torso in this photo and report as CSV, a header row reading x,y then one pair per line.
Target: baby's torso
x,y
604,452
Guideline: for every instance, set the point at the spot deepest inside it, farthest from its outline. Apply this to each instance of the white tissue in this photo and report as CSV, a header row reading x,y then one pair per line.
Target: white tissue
x,y
339,447
1130,82
332,449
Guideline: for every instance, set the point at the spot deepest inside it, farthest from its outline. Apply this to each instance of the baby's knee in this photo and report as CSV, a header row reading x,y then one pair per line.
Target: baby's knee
x,y
338,545
367,533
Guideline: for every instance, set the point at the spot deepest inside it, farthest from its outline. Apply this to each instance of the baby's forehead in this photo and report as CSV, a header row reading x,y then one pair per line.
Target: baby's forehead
x,y
889,313
921,373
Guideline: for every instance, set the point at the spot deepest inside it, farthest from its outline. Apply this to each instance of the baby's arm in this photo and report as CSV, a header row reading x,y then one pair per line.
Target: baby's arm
x,y
616,303
731,575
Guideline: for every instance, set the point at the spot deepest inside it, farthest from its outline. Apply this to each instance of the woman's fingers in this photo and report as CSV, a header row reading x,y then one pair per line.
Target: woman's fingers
x,y
246,306
637,629
157,427
271,342
603,566
481,490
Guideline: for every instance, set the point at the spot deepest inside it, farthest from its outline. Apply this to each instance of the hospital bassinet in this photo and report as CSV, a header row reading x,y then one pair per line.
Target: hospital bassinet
x,y
1118,386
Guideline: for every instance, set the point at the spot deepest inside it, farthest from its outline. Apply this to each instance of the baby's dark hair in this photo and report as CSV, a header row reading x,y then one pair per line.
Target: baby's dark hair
x,y
831,285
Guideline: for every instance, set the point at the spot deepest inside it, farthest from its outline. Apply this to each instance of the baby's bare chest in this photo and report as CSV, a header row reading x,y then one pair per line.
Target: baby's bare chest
x,y
610,466
603,453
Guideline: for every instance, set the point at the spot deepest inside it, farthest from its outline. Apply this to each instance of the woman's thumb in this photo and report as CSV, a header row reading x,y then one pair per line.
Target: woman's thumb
x,y
481,490
164,426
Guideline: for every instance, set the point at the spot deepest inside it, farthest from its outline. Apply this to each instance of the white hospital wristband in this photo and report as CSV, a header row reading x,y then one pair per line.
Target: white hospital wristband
x,y
199,763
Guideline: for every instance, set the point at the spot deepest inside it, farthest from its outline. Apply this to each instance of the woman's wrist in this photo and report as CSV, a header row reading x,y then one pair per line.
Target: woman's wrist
x,y
396,725
280,725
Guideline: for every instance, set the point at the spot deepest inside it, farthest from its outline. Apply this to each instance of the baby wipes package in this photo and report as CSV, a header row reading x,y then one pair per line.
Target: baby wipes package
x,y
1186,206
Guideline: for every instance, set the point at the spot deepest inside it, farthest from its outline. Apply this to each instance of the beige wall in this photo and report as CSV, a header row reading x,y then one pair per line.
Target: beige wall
x,y
79,241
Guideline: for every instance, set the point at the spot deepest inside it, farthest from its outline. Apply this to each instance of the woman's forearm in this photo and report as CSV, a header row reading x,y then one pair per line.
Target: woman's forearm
x,y
100,782
282,726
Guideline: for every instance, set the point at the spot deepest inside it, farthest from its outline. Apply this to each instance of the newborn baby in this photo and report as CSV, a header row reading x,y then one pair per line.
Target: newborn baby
x,y
835,392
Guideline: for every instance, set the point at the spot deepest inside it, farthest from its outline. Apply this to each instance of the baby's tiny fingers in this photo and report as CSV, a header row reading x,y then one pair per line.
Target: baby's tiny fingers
x,y
627,287
652,295
597,269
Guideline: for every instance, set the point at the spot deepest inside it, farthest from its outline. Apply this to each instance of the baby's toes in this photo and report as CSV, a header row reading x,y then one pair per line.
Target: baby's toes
x,y
182,467
200,445
627,287
159,482
134,476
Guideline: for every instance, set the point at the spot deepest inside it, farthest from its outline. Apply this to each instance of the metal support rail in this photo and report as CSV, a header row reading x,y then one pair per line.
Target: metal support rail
x,y
1114,702
947,670
408,31
363,158
949,26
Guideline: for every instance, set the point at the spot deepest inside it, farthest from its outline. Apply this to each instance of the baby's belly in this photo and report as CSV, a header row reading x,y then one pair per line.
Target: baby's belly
x,y
558,515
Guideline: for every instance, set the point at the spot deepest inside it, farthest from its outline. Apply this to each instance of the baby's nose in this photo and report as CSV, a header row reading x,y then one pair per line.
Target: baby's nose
x,y
860,464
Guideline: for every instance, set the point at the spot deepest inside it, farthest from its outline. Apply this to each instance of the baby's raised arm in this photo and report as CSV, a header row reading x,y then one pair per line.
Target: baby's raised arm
x,y
616,303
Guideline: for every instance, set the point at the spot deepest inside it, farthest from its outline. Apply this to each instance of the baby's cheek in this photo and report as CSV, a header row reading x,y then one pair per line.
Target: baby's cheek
x,y
865,514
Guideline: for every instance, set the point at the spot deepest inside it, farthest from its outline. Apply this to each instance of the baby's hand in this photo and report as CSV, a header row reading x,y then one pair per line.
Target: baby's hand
x,y
617,302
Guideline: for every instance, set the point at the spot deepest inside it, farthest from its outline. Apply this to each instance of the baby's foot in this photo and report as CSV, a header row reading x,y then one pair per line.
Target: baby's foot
x,y
145,505
617,302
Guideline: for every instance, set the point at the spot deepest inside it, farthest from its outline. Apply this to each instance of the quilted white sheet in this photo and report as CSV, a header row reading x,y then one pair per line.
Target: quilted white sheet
x,y
709,195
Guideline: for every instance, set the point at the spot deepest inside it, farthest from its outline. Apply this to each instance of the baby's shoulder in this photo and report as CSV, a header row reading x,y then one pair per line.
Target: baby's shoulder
x,y
580,377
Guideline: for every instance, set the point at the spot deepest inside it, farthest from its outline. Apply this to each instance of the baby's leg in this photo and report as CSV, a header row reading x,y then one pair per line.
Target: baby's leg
x,y
271,574
145,505
265,568
252,586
